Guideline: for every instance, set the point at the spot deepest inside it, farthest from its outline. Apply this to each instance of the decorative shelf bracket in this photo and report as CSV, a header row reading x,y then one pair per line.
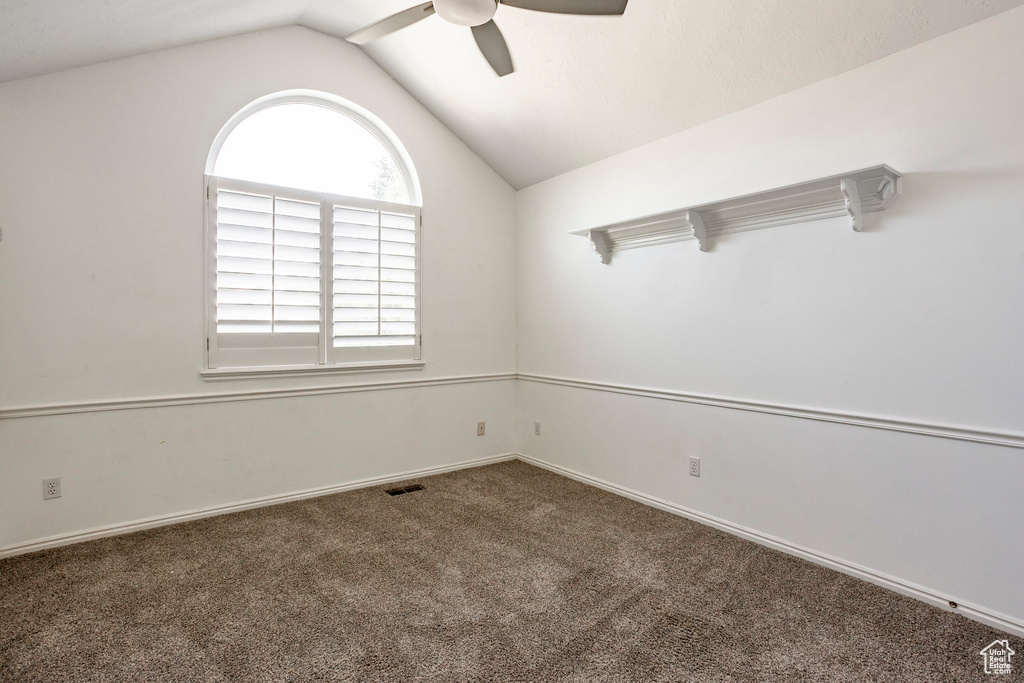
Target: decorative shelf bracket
x,y
848,186
699,230
849,195
601,245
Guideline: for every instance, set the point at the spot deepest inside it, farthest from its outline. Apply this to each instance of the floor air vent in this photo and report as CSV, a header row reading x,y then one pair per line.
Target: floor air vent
x,y
403,489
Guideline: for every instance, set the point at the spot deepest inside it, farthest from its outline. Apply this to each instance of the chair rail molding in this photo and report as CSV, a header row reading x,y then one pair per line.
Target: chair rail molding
x,y
849,195
976,434
137,403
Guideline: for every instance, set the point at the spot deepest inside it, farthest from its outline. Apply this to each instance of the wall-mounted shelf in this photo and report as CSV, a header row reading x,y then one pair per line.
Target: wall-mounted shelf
x,y
849,194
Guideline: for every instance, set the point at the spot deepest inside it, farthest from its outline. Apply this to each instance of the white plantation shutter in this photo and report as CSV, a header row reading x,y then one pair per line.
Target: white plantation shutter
x,y
374,279
245,263
268,264
302,278
296,266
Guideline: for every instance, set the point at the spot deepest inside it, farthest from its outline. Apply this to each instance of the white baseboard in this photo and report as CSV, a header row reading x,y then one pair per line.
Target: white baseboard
x,y
980,614
149,523
985,616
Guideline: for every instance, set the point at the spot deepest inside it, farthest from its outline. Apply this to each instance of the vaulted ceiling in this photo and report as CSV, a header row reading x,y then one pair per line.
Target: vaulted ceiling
x,y
584,87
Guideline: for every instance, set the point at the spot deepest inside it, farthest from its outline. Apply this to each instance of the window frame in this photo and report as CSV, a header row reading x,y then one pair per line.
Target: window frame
x,y
327,353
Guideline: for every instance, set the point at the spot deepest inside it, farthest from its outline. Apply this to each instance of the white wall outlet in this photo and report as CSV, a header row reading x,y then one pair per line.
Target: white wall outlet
x,y
51,488
694,466
480,428
536,428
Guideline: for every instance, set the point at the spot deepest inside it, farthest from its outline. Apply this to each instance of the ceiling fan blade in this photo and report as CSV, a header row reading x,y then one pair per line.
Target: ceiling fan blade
x,y
603,7
391,24
492,44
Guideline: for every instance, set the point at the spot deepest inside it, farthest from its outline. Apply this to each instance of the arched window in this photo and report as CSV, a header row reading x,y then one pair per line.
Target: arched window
x,y
313,240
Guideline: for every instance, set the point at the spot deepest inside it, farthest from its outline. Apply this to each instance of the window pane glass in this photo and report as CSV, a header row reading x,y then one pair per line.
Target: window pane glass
x,y
313,148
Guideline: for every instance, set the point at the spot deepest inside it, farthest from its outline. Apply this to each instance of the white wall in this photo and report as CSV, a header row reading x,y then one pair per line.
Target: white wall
x,y
101,295
919,318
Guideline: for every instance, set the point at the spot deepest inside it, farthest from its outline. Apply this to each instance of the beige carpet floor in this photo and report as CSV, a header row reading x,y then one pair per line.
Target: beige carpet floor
x,y
500,573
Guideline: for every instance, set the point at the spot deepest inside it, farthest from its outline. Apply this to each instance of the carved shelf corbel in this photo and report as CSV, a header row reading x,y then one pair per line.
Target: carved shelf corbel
x,y
600,245
850,194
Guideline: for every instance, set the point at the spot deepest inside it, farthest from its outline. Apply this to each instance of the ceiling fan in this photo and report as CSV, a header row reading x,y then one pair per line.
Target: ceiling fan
x,y
477,14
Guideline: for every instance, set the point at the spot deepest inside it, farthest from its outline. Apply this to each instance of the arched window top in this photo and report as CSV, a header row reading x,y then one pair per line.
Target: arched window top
x,y
315,141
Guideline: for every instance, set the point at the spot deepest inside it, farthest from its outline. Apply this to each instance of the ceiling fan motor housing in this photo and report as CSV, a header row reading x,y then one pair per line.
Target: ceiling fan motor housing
x,y
466,12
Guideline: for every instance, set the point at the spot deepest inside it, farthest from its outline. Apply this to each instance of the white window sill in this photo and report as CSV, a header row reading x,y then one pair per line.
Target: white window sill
x,y
218,374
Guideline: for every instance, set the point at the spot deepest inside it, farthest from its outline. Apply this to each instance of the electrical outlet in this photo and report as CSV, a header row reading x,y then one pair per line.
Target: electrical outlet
x,y
51,488
480,428
536,428
694,466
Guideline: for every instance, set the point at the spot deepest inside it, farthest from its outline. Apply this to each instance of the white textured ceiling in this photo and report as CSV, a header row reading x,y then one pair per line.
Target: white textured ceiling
x,y
584,87
43,36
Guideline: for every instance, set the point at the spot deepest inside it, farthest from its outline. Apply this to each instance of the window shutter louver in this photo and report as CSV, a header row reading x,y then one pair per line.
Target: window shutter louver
x,y
245,263
374,281
268,264
296,266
